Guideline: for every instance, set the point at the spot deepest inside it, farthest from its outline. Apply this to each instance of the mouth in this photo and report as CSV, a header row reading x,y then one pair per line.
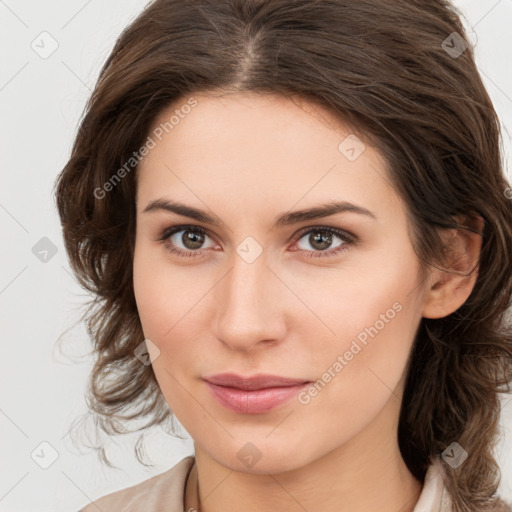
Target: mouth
x,y
253,395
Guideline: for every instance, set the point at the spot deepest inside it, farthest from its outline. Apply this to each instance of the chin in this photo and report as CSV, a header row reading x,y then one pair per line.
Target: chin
x,y
263,457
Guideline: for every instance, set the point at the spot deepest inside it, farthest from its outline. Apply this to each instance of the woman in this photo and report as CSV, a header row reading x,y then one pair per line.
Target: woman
x,y
296,222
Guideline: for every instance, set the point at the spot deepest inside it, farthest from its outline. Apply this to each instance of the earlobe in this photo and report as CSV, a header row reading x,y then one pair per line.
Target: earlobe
x,y
448,288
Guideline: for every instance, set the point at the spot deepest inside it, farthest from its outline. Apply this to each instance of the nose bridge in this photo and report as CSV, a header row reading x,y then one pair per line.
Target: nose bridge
x,y
247,311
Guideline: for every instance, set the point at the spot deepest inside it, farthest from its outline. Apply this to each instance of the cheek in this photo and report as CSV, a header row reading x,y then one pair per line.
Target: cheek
x,y
162,305
373,318
156,301
363,304
372,364
158,293
359,373
170,301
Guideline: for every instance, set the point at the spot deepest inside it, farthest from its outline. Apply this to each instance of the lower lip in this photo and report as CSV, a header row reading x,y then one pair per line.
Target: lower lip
x,y
254,402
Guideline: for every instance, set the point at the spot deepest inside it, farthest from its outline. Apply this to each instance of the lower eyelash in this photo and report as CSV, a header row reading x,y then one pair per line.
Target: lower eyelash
x,y
184,254
348,240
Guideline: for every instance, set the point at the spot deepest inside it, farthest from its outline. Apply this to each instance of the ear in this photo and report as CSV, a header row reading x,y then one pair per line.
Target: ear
x,y
448,290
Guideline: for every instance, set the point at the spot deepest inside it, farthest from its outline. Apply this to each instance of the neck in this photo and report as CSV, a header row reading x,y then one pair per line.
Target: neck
x,y
365,474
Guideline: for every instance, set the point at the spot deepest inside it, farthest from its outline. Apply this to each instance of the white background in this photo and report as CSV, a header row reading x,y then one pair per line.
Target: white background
x,y
42,389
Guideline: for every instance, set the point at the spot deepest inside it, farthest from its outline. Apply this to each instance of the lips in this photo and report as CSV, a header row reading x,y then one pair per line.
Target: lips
x,y
253,395
261,381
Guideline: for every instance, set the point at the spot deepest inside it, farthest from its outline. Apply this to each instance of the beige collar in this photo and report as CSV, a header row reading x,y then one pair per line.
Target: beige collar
x,y
433,498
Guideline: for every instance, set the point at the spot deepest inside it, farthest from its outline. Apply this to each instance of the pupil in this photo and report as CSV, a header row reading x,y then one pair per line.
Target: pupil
x,y
324,238
192,240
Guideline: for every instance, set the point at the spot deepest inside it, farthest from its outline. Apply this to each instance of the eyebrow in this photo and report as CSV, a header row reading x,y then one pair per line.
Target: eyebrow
x,y
284,219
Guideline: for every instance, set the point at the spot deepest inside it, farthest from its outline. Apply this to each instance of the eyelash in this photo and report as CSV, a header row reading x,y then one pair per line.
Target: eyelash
x,y
348,240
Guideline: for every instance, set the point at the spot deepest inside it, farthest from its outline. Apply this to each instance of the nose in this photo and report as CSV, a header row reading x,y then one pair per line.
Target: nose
x,y
251,308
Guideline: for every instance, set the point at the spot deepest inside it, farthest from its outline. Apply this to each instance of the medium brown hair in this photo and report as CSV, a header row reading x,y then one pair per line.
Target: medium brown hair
x,y
399,73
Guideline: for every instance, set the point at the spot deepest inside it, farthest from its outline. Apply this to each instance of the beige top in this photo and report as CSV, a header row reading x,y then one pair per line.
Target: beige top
x,y
166,492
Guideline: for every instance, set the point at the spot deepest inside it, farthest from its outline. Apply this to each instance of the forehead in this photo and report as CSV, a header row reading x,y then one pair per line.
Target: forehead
x,y
266,118
252,148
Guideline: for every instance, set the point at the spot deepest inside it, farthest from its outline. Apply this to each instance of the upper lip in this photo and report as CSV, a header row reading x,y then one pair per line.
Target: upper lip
x,y
260,381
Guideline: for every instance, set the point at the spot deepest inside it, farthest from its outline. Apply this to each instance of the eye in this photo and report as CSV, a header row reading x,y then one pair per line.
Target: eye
x,y
321,239
192,238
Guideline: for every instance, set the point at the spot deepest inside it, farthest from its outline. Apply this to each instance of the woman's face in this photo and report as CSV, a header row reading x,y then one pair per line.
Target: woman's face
x,y
334,300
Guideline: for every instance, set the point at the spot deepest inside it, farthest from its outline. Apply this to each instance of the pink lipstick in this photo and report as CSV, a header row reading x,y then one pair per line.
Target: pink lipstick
x,y
253,395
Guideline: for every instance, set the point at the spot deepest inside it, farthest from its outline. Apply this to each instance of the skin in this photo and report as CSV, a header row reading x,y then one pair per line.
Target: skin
x,y
248,158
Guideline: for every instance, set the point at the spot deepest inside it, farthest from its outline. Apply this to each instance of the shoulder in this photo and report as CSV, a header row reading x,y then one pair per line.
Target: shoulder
x,y
161,492
435,496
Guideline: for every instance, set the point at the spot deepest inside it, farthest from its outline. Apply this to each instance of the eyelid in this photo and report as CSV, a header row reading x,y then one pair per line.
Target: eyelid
x,y
171,230
337,231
